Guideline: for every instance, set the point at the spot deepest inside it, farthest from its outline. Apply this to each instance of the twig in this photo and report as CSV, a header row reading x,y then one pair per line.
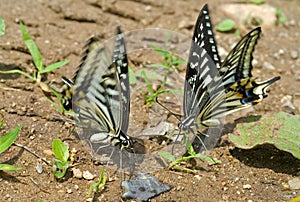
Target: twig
x,y
36,184
32,152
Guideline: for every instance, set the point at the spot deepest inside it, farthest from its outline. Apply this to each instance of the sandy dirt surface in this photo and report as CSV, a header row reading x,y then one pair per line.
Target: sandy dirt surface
x,y
60,29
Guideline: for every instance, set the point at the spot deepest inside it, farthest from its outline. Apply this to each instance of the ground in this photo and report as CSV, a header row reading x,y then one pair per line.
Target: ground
x,y
60,29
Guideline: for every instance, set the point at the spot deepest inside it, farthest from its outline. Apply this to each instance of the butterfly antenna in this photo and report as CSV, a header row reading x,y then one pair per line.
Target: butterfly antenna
x,y
178,116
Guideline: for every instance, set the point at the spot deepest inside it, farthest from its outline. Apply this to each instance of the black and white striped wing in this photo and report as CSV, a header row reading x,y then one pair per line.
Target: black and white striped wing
x,y
212,91
119,57
202,80
97,97
204,35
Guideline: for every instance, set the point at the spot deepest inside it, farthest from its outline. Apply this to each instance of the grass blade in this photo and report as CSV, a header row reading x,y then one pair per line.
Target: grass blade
x,y
17,71
7,140
2,27
7,167
55,66
33,49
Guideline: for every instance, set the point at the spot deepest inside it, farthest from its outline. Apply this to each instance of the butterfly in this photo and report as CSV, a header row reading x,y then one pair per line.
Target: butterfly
x,y
101,99
214,89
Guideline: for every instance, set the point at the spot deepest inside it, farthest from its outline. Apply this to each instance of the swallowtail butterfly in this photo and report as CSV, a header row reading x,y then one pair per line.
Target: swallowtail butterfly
x,y
101,100
214,89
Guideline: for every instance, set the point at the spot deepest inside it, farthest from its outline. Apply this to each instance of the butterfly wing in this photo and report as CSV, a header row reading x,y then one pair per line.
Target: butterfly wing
x,y
202,73
238,64
97,96
211,92
119,57
204,35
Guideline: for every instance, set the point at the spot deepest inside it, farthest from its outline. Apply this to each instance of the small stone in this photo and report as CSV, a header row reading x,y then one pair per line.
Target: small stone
x,y
267,65
294,183
87,175
235,179
76,187
148,8
246,186
298,78
198,177
77,173
48,152
292,22
294,55
288,107
254,62
69,191
39,167
281,51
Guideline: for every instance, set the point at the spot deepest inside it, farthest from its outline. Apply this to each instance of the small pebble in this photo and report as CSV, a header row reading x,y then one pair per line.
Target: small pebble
x,y
198,177
235,179
148,8
87,175
48,152
254,62
69,191
76,187
294,54
288,107
281,52
77,173
294,183
269,66
246,186
39,167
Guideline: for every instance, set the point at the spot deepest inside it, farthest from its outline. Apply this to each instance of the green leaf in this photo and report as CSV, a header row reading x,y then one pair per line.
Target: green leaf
x,y
100,184
33,49
17,71
167,155
2,27
225,25
60,168
2,120
281,130
207,158
7,167
60,150
7,140
55,66
158,50
92,187
257,1
282,19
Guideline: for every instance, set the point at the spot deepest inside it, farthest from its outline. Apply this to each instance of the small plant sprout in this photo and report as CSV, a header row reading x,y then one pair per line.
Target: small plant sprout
x,y
152,93
175,163
37,60
280,17
100,184
225,25
5,142
2,27
170,60
62,163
